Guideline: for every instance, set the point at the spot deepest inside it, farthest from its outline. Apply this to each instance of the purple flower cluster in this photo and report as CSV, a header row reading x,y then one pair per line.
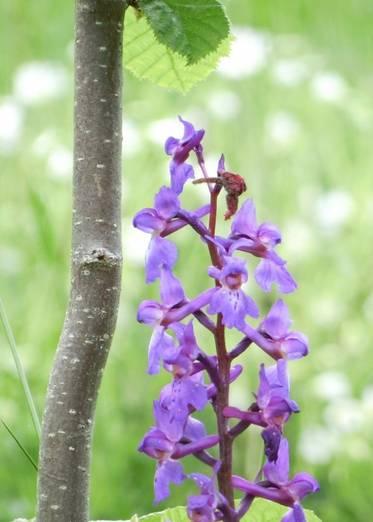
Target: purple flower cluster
x,y
199,379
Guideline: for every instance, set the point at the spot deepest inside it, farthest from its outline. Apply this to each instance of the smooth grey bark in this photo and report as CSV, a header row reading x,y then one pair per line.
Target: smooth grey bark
x,y
64,464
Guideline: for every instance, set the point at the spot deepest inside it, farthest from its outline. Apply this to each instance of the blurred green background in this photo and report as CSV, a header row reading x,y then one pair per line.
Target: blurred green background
x,y
292,109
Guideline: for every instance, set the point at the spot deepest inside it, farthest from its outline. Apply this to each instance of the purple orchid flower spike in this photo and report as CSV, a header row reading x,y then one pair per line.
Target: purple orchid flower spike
x,y
180,149
260,241
283,342
200,378
161,252
302,484
229,299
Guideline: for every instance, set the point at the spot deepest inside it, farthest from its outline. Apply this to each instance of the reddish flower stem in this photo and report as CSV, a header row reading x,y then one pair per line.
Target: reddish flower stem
x,y
224,364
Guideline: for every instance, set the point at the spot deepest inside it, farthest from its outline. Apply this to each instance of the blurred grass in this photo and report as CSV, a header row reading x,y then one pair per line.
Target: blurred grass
x,y
308,164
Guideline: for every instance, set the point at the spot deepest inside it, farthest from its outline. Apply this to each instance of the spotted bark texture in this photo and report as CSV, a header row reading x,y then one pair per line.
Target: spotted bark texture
x,y
64,464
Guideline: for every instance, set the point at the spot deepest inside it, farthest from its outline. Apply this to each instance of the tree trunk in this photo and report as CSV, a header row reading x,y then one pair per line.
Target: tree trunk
x,y
64,466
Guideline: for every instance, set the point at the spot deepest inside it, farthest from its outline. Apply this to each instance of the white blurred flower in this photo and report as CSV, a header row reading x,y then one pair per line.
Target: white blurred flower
x,y
326,310
289,72
345,415
43,143
356,448
38,82
298,239
249,52
60,162
318,444
135,243
11,120
331,385
329,86
11,261
282,128
131,138
224,104
333,209
367,402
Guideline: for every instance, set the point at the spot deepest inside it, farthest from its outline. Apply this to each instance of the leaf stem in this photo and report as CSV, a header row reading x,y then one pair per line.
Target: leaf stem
x,y
20,369
24,450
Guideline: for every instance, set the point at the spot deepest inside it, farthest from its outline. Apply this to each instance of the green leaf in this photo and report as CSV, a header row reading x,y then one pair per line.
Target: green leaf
x,y
192,28
148,59
261,511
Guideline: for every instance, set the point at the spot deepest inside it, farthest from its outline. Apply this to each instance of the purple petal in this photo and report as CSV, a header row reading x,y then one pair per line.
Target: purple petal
x,y
223,244
268,272
277,376
234,305
278,471
201,300
204,483
187,339
161,252
295,345
156,445
200,508
182,450
264,389
171,145
221,165
148,221
233,266
269,235
242,243
235,372
295,515
251,307
189,130
301,485
194,429
166,203
195,391
191,137
180,173
175,402
150,312
159,342
171,290
214,272
244,221
170,425
278,410
277,322
167,472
